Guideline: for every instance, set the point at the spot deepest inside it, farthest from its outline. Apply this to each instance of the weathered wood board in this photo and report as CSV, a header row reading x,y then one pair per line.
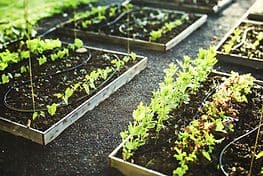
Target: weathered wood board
x,y
185,7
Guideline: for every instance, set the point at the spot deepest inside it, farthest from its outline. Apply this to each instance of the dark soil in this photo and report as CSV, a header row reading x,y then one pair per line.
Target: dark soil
x,y
249,35
138,24
83,148
237,157
51,78
157,154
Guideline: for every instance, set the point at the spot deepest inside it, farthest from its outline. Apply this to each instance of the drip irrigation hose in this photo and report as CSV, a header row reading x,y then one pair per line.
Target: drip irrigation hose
x,y
121,27
25,82
232,142
100,25
243,38
61,104
115,20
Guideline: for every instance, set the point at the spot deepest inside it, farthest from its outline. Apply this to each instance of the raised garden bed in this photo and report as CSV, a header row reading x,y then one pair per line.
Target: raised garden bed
x,y
243,45
171,150
143,27
68,80
256,11
200,6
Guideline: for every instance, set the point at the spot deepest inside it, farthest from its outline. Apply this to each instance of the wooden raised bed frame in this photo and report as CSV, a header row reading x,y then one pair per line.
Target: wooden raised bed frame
x,y
131,169
44,137
255,63
256,11
192,8
89,35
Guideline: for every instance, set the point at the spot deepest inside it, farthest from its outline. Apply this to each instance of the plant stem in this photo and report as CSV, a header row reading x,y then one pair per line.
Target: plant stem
x,y
256,143
29,59
74,16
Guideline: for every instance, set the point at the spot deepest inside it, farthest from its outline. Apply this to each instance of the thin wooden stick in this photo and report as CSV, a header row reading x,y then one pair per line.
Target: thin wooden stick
x,y
128,44
29,59
256,144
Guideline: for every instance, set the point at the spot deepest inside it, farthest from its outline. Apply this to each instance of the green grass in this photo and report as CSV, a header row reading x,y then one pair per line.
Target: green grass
x,y
12,14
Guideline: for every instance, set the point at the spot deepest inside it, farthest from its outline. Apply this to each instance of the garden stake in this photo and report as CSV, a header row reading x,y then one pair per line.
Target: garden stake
x,y
29,60
256,143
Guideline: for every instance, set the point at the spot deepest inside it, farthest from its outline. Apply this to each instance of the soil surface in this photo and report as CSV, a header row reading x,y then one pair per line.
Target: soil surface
x,y
83,148
249,44
51,78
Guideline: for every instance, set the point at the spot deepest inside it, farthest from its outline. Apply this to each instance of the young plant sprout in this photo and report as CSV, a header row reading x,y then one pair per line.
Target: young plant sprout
x,y
170,95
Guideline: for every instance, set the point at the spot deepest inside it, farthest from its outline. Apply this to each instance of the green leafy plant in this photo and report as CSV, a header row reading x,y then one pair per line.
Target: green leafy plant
x,y
169,26
118,63
235,38
52,109
198,138
98,14
38,46
42,60
170,95
68,93
60,54
5,79
13,27
91,79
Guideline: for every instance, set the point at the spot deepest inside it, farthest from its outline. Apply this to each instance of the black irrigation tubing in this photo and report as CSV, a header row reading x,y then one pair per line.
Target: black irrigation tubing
x,y
99,26
25,82
61,104
232,142
115,20
243,38
134,19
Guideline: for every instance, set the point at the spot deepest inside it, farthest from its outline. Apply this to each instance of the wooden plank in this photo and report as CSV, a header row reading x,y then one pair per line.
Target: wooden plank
x,y
111,39
21,130
56,129
185,7
255,63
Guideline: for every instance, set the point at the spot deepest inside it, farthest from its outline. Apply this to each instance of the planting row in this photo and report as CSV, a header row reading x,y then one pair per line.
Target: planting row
x,y
149,28
190,118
